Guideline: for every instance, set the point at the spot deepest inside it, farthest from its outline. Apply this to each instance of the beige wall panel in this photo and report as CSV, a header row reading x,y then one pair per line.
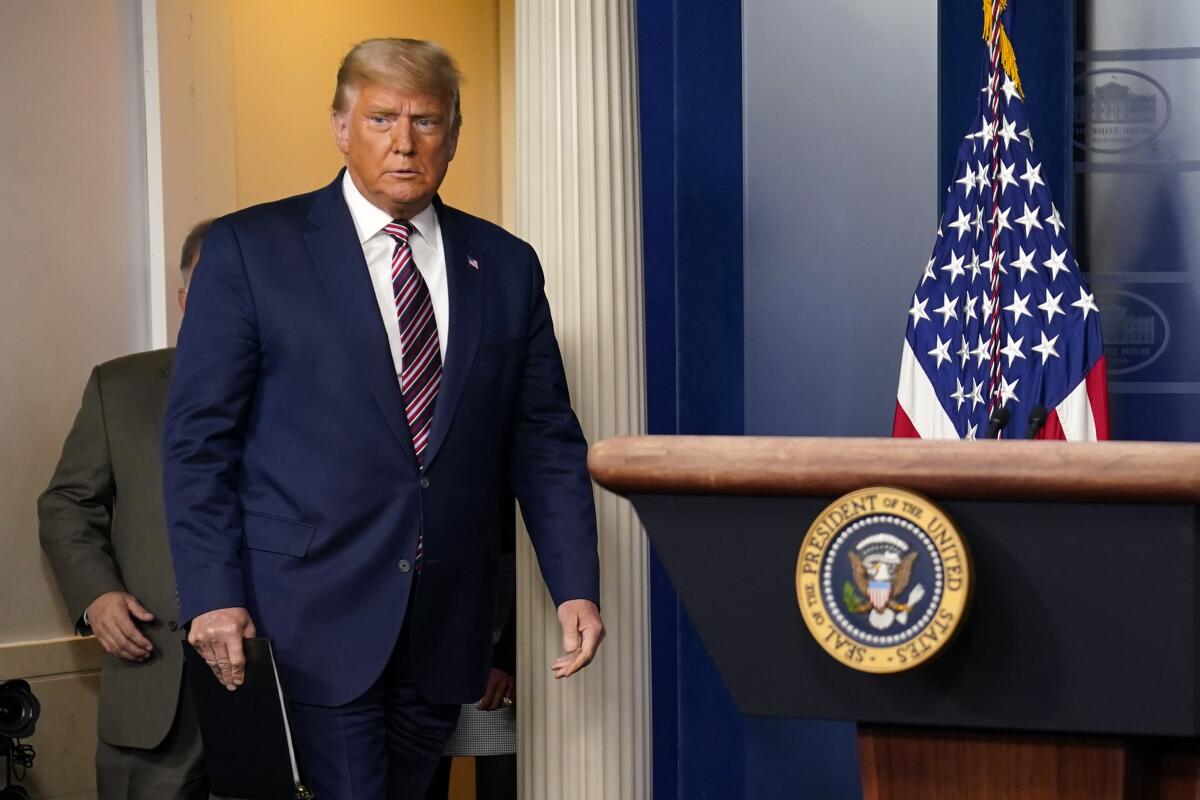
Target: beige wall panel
x,y
508,114
195,61
73,261
65,739
286,56
64,676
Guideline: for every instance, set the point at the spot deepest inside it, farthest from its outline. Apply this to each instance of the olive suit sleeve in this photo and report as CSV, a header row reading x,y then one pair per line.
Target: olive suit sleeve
x,y
75,511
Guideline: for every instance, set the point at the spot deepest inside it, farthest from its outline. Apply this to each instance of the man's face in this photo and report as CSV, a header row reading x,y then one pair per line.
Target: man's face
x,y
398,145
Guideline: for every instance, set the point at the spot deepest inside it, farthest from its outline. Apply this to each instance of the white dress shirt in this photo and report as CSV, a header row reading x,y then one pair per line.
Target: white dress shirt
x,y
427,252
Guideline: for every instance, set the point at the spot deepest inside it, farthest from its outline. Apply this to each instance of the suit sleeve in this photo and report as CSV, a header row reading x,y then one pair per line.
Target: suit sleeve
x,y
75,511
208,405
549,463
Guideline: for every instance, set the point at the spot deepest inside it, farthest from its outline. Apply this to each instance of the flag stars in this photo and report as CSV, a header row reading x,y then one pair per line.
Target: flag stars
x,y
1046,348
981,178
1055,221
969,311
973,267
972,430
955,268
1008,391
948,309
989,305
1018,307
1005,177
964,351
1012,350
959,396
1032,176
1056,263
1000,219
1010,91
986,131
1028,137
917,312
1030,219
977,223
996,261
980,353
1052,306
941,351
961,224
967,181
976,395
1008,132
1086,302
1025,262
929,274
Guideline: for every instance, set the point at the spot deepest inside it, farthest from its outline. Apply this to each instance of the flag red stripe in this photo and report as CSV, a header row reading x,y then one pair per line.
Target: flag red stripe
x,y
1097,391
902,427
1053,428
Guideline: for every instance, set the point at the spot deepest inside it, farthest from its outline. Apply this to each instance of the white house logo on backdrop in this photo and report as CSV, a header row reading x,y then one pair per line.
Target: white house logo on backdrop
x,y
1118,110
1136,330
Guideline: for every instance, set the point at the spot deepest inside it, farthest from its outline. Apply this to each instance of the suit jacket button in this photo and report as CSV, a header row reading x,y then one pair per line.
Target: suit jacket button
x,y
404,565
172,626
424,483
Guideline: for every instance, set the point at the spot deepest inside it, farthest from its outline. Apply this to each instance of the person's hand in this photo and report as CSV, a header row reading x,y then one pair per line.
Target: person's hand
x,y
217,636
583,630
110,616
501,691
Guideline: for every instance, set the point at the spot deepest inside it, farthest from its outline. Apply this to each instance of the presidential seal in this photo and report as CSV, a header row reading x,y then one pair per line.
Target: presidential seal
x,y
883,579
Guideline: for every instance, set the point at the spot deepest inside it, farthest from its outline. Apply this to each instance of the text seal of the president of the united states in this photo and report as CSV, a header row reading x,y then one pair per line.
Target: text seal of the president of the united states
x,y
883,579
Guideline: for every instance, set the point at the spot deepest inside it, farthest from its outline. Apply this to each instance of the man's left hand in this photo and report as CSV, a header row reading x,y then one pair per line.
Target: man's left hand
x,y
583,630
500,690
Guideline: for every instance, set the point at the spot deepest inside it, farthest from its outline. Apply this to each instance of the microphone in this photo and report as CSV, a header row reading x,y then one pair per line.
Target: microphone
x,y
996,422
1037,419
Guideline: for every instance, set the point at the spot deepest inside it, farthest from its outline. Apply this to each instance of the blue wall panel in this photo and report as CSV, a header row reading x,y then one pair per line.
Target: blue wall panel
x,y
690,105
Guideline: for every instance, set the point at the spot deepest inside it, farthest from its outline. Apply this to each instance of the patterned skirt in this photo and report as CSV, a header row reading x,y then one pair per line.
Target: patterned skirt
x,y
490,733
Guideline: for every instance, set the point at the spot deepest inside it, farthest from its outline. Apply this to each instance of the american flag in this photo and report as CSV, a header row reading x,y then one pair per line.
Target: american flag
x,y
1002,316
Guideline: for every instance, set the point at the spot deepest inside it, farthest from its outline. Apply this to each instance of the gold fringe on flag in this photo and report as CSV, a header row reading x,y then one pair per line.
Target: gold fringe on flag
x,y
1008,57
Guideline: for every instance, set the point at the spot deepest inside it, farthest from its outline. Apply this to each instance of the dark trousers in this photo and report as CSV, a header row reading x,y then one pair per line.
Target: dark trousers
x,y
172,771
495,778
386,744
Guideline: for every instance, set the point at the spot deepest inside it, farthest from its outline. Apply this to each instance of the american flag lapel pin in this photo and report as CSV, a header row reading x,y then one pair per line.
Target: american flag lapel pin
x,y
474,264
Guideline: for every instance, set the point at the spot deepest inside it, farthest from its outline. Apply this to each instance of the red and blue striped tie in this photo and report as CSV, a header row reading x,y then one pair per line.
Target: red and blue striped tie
x,y
421,354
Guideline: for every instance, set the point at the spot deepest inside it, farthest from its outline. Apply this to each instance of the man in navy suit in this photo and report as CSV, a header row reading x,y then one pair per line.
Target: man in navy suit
x,y
362,374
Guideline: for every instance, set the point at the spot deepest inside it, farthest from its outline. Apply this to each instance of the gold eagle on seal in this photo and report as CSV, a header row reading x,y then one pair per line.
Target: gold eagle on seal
x,y
881,582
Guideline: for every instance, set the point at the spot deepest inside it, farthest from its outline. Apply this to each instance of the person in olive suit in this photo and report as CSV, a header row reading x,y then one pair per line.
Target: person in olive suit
x,y
103,531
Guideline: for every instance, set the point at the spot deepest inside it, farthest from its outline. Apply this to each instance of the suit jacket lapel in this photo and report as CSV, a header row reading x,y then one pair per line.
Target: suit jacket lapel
x,y
333,243
465,283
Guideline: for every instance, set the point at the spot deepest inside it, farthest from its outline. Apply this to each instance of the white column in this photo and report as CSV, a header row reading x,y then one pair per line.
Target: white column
x,y
578,201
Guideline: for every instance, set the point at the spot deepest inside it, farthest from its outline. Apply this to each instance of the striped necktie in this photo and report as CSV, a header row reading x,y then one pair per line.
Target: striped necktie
x,y
421,353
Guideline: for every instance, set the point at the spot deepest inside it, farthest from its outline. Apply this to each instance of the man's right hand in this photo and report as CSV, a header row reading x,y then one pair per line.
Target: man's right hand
x,y
110,616
217,636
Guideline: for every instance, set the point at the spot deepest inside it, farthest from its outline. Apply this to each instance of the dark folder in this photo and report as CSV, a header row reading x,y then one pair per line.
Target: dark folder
x,y
247,740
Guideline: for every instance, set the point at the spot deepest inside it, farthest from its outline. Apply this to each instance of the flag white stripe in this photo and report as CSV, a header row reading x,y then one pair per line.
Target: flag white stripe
x,y
1075,415
919,400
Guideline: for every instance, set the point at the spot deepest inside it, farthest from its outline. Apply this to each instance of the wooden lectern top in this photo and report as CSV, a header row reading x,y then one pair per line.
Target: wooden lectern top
x,y
1160,472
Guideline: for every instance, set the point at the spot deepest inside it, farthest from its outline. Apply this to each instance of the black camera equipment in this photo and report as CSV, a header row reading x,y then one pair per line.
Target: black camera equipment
x,y
19,712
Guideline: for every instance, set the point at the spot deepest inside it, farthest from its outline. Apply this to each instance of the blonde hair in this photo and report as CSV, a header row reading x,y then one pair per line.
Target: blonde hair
x,y
405,64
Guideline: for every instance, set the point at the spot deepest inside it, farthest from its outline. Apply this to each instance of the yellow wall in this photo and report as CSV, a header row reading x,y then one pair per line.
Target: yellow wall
x,y
285,57
246,87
